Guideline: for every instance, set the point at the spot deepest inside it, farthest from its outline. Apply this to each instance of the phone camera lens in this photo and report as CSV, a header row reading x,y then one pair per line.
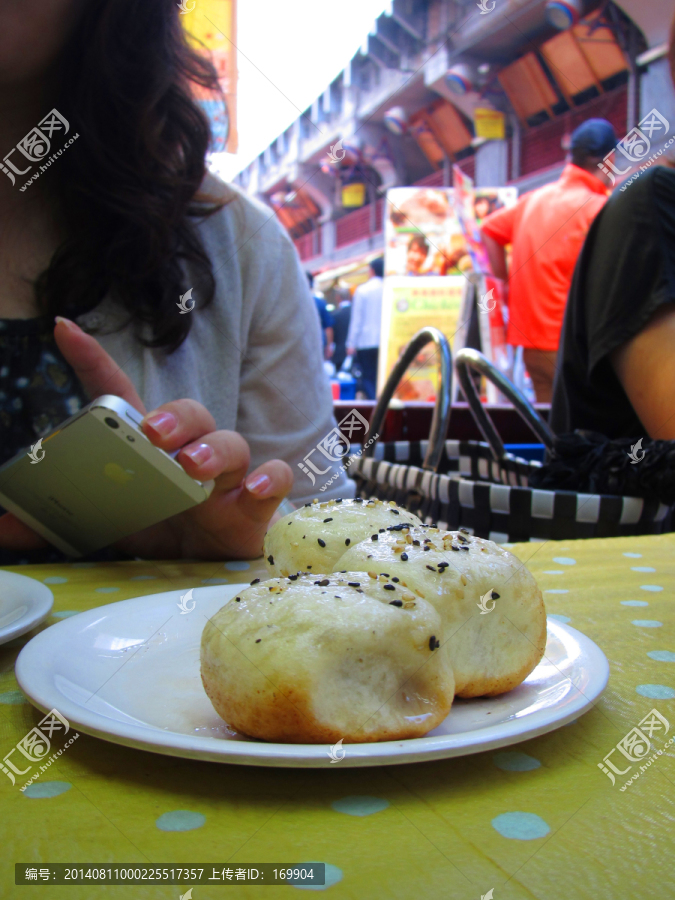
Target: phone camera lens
x,y
111,423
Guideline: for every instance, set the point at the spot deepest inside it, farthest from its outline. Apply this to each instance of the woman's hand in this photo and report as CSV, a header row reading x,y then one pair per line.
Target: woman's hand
x,y
232,522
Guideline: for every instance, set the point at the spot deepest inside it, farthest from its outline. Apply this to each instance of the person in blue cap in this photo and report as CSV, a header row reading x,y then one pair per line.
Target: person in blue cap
x,y
547,229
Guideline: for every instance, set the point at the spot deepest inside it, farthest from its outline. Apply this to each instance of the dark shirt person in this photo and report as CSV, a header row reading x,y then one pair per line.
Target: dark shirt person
x,y
616,366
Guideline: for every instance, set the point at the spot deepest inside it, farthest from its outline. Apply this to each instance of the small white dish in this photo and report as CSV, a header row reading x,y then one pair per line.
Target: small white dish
x,y
129,673
24,603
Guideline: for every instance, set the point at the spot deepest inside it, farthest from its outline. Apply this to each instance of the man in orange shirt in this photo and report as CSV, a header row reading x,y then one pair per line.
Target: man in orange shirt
x,y
547,229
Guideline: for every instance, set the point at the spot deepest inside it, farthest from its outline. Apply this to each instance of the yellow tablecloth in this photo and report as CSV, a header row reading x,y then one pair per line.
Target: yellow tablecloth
x,y
537,820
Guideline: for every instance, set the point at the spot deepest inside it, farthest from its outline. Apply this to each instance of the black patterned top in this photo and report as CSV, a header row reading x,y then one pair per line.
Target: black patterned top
x,y
38,390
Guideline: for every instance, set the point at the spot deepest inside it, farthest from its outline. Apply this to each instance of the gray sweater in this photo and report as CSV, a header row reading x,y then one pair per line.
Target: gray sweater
x,y
253,357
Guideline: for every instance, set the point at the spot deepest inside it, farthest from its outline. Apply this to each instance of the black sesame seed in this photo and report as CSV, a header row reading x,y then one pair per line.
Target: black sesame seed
x,y
370,556
460,537
324,582
404,556
270,559
453,547
495,595
307,504
338,597
374,537
395,579
339,500
416,543
465,530
399,527
347,542
270,589
382,530
320,542
237,599
396,603
386,574
432,568
427,547
433,643
255,581
354,583
395,512
309,567
465,548
358,500
443,565
389,587
292,577
258,641
327,520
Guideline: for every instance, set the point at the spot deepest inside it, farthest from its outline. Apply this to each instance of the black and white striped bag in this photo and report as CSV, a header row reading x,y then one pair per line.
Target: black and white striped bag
x,y
492,499
479,486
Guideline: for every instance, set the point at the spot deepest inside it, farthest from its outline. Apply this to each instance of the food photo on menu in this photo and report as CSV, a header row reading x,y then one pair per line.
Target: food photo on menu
x,y
337,495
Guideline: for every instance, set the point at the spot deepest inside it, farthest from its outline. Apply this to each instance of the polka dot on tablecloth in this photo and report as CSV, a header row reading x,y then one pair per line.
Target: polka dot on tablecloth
x,y
647,623
633,555
642,569
42,790
333,876
564,560
143,578
520,826
514,761
106,590
563,619
12,698
359,805
557,591
651,587
634,603
65,614
180,820
656,691
238,565
662,655
54,579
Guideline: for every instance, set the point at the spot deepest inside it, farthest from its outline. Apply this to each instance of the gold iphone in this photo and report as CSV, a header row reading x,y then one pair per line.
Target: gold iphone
x,y
96,478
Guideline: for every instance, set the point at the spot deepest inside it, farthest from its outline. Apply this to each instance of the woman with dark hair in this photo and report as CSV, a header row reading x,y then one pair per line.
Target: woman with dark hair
x,y
169,289
616,365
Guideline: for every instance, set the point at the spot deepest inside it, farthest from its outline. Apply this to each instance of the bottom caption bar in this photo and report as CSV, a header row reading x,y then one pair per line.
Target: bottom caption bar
x,y
170,873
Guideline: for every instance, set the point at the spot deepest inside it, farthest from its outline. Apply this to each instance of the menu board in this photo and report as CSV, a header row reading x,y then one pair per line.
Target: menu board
x,y
409,304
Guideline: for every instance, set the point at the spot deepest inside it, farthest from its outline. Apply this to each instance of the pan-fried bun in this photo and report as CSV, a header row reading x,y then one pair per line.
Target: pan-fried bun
x,y
315,660
313,538
492,610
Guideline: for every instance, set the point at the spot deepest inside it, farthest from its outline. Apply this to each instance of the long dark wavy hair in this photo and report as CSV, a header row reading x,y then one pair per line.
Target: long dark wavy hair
x,y
127,190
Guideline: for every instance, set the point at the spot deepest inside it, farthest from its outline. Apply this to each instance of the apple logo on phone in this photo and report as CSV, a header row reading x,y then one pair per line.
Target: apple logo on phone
x,y
116,473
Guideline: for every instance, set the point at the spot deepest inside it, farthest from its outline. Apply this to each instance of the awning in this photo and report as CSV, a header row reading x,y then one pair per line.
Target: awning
x,y
352,271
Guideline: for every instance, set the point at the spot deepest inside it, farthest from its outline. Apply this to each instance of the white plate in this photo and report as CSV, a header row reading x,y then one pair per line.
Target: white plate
x,y
129,673
24,603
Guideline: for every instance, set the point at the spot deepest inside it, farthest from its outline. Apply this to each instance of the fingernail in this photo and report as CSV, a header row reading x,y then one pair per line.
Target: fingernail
x,y
256,484
163,423
71,326
198,453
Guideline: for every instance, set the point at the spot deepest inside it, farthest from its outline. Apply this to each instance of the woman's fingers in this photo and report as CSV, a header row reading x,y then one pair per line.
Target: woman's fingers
x,y
180,422
97,371
14,535
223,455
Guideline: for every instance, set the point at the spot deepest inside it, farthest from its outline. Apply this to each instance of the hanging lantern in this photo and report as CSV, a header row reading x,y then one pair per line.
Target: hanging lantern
x,y
459,79
563,14
396,120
